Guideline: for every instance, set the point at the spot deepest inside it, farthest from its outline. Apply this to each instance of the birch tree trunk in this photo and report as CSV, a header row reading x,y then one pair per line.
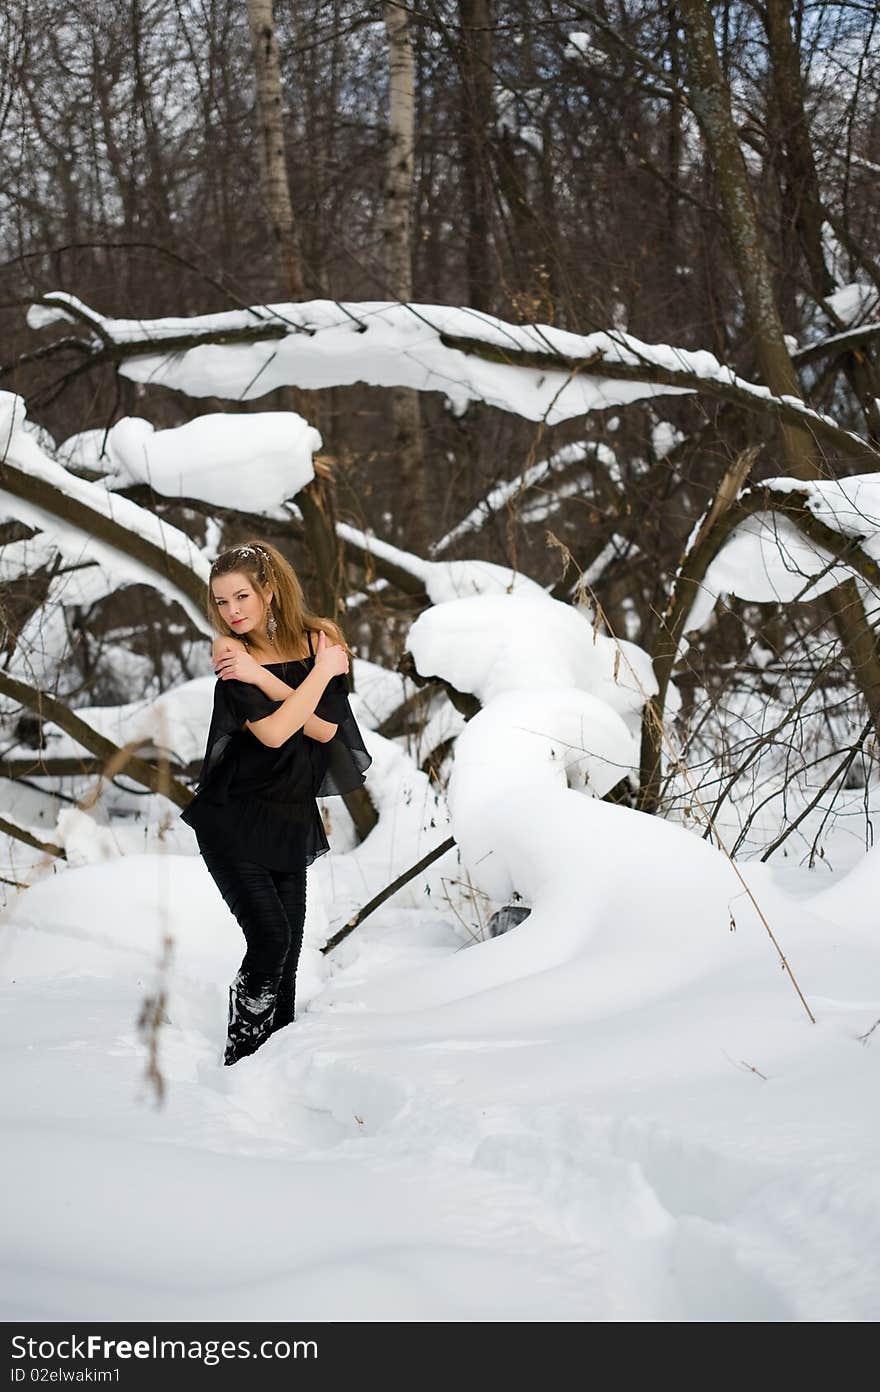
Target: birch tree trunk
x,y
273,149
710,102
317,500
412,522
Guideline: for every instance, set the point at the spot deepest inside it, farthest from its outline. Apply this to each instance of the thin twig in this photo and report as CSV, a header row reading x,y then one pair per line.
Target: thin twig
x,y
840,771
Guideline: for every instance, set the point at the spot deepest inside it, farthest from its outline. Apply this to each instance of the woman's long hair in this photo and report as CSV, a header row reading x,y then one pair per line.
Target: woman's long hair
x,y
267,569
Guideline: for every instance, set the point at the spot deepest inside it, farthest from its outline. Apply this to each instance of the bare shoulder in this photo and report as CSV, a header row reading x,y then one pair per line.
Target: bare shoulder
x,y
220,643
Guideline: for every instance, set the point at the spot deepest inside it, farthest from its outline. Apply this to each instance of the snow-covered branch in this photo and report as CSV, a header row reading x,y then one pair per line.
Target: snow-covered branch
x,y
532,370
85,521
839,520
836,344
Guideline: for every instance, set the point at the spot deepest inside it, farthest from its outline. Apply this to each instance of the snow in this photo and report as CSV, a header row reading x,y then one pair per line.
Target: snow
x,y
853,338
618,546
442,579
175,722
769,559
850,899
373,545
379,692
325,343
22,451
445,580
329,342
43,637
85,450
51,311
850,506
254,461
42,655
616,1111
854,303
18,558
664,437
43,316
443,722
496,643
579,46
508,105
547,503
504,493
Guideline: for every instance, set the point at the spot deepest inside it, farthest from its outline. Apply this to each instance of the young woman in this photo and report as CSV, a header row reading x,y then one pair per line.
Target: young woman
x,y
282,733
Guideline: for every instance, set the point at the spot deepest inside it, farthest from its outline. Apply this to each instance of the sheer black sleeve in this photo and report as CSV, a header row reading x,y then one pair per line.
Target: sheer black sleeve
x,y
234,702
248,702
341,763
333,705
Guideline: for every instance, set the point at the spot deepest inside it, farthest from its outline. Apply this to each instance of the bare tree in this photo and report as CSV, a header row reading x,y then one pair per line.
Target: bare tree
x,y
803,201
412,520
710,99
474,53
273,149
317,501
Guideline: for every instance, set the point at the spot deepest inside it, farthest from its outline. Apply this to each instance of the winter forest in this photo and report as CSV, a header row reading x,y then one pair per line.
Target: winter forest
x,y
543,340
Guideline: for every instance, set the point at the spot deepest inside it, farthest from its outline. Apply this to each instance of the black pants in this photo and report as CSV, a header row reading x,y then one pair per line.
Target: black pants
x,y
270,906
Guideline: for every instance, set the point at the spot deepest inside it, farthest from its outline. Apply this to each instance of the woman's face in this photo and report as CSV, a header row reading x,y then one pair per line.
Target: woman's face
x,y
238,603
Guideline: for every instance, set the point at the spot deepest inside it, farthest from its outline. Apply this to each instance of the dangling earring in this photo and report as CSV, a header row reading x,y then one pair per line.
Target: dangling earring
x,y
271,626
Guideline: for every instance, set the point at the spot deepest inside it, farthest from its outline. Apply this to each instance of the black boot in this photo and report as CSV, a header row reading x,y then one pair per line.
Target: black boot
x,y
285,1002
251,1010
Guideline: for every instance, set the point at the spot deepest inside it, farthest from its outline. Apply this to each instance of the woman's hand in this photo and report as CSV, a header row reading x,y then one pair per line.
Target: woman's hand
x,y
234,664
331,658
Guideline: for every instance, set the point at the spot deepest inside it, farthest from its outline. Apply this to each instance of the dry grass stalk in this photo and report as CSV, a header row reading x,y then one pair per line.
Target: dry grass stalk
x,y
153,1012
475,895
153,1015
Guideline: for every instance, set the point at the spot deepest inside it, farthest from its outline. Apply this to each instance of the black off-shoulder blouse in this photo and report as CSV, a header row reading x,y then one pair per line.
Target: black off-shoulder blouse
x,y
256,803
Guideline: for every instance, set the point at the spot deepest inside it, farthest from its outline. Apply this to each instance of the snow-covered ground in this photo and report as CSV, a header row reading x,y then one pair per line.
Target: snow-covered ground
x,y
617,1111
